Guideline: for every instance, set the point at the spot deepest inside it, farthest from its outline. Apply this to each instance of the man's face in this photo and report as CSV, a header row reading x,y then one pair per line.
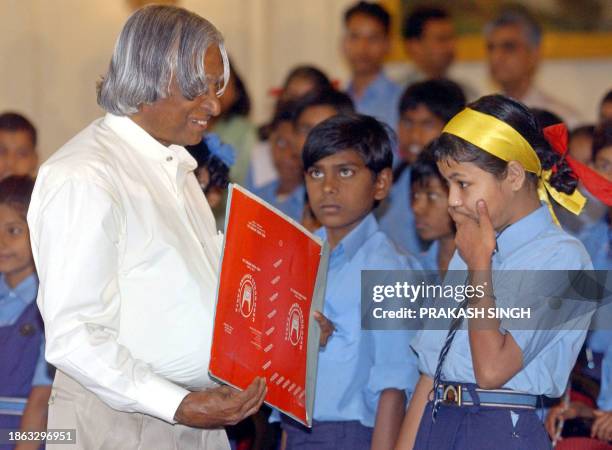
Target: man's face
x,y
434,51
430,205
365,44
17,154
309,119
177,120
417,128
342,190
511,58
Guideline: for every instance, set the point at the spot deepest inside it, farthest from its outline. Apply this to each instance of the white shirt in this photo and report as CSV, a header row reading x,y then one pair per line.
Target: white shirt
x,y
127,253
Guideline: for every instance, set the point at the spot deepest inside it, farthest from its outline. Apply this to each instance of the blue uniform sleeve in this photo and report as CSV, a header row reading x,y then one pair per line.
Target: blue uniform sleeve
x,y
604,401
41,373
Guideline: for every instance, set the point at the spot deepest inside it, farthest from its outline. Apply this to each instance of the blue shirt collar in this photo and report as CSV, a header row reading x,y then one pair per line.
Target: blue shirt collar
x,y
25,291
524,231
377,87
353,241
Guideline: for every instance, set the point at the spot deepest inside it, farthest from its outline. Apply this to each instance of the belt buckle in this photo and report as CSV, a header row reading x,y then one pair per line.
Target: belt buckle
x,y
451,394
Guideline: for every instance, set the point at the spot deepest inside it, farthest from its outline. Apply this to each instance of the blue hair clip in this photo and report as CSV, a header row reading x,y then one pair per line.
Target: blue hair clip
x,y
225,152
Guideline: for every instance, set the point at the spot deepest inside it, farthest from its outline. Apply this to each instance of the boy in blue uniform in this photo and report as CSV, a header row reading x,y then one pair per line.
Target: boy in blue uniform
x,y
362,376
25,383
424,109
498,167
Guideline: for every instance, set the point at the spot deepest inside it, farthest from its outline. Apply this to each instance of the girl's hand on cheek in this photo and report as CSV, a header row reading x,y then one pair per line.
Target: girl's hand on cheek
x,y
475,238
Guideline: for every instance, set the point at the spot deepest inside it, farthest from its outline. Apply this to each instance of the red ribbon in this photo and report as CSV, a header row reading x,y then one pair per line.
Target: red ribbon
x,y
599,186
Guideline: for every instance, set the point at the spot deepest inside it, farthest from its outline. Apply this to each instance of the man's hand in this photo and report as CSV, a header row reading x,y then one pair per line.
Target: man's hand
x,y
475,238
220,406
602,427
327,328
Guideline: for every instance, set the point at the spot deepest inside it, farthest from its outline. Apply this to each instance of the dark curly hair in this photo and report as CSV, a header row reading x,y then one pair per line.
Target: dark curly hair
x,y
519,117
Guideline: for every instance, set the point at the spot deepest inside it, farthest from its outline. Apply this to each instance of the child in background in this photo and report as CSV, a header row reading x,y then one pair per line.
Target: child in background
x,y
25,382
581,144
17,146
362,376
424,109
287,192
430,205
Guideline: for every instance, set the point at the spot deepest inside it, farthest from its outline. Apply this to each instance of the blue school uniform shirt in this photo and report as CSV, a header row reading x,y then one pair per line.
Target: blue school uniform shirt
x,y
604,401
12,303
597,239
397,221
532,243
380,100
292,204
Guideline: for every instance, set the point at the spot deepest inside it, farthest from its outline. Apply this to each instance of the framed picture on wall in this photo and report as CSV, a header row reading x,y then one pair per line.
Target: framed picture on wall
x,y
572,29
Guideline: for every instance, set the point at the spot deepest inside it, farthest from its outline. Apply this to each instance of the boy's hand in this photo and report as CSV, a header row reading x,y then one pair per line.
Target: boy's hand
x,y
602,427
327,328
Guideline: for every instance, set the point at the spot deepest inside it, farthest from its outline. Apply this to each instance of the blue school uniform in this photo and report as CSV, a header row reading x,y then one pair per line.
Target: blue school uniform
x,y
380,100
597,239
356,365
532,243
397,218
21,349
604,401
292,204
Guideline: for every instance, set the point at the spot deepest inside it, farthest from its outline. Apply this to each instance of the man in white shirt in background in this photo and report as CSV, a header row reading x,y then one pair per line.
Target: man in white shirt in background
x,y
514,42
127,250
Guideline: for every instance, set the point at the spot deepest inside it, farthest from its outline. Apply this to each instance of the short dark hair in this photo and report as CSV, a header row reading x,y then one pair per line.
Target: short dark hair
x,y
363,134
415,22
285,112
16,192
518,17
519,117
425,168
602,137
12,121
583,130
373,10
607,98
444,98
341,102
218,171
312,73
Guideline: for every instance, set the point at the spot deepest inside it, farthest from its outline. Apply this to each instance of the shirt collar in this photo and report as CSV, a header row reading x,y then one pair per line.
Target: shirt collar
x,y
145,144
524,231
25,291
375,88
353,241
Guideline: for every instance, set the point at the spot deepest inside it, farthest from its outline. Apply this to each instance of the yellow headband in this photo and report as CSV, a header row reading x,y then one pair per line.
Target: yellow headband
x,y
500,139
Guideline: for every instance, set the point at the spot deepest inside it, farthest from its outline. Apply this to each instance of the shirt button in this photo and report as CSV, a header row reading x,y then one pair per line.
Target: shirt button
x,y
169,158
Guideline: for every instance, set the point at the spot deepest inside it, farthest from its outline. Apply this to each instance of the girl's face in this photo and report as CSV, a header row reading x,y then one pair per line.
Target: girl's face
x,y
467,183
16,261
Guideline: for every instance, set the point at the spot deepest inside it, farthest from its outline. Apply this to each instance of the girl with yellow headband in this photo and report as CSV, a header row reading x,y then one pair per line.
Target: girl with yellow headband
x,y
480,382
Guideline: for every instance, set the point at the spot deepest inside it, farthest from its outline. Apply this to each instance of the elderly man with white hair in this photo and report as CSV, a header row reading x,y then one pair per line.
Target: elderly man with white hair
x,y
127,251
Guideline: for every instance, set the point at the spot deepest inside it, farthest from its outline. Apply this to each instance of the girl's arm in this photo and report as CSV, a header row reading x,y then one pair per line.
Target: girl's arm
x,y
413,416
389,416
35,415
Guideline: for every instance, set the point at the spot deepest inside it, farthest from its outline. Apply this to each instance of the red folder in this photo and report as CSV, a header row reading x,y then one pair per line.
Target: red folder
x,y
272,279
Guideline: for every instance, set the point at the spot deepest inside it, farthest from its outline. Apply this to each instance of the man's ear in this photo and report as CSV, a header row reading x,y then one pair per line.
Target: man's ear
x,y
516,175
383,183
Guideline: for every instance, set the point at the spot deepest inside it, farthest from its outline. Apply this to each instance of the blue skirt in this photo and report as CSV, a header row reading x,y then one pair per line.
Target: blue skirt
x,y
480,428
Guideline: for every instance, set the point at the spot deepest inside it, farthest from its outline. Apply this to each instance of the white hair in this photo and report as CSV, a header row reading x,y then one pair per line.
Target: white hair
x,y
157,43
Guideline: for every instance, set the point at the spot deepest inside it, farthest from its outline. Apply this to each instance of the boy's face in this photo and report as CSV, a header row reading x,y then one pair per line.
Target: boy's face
x,y
17,154
342,190
365,44
287,157
417,128
310,118
580,148
430,205
605,112
15,253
